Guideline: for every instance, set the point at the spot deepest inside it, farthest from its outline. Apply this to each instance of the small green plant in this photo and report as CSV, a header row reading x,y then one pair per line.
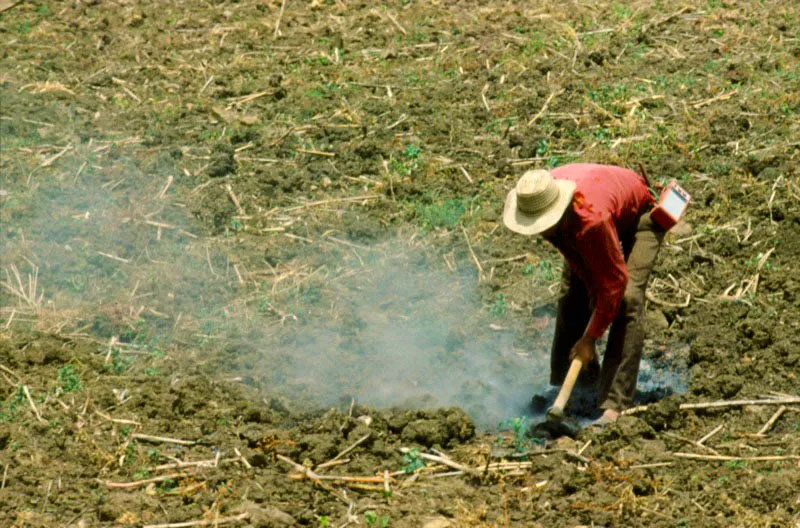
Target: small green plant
x,y
119,364
544,271
23,28
151,372
519,429
409,162
723,480
10,407
264,305
373,519
439,215
142,474
154,455
754,261
411,152
324,521
412,460
131,454
78,283
534,46
68,379
735,464
168,484
500,306
528,270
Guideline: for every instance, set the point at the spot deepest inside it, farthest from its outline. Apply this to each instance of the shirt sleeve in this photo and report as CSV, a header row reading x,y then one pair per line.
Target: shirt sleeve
x,y
607,278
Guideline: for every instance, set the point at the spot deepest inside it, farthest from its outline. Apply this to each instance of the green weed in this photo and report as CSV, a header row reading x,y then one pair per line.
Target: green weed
x,y
9,409
315,93
68,379
373,519
543,272
22,29
78,283
500,126
439,215
118,364
621,11
130,453
500,307
418,37
408,163
412,460
317,61
753,262
265,305
324,521
411,152
167,485
735,464
519,428
534,46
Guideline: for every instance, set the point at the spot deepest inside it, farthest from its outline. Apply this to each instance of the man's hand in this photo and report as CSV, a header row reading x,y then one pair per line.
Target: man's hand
x,y
584,350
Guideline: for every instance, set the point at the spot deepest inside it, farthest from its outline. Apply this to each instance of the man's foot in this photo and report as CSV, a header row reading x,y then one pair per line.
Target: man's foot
x,y
609,417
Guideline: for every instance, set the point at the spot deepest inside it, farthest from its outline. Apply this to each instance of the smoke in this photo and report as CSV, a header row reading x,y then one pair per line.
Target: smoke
x,y
113,255
408,332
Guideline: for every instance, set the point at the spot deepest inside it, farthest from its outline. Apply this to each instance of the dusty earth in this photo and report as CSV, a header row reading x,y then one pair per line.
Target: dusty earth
x,y
213,214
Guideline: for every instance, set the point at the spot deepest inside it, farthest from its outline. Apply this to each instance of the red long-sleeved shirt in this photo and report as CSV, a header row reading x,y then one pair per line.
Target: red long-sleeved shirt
x,y
607,202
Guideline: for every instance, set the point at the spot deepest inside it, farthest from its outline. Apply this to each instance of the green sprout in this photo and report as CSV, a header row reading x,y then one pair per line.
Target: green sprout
x,y
735,464
439,215
412,460
519,428
500,306
373,519
9,409
68,379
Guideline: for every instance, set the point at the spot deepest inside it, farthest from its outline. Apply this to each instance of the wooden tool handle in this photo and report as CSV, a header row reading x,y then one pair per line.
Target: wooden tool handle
x,y
569,383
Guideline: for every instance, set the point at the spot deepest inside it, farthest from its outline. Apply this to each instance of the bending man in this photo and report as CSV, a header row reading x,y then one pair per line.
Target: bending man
x,y
597,216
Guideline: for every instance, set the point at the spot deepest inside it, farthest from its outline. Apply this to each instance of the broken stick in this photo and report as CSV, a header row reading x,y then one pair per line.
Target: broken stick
x,y
163,440
771,421
722,404
202,522
145,482
343,453
33,406
315,478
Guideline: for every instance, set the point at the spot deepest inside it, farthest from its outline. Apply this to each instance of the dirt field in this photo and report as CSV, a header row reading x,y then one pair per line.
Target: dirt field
x,y
251,250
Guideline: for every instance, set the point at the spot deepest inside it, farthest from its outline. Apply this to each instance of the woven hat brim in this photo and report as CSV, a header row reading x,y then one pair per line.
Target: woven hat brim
x,y
526,224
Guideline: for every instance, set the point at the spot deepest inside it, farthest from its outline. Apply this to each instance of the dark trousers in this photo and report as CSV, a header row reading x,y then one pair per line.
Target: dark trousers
x,y
620,367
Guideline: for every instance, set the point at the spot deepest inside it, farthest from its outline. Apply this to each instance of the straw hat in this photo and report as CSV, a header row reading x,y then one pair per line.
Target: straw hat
x,y
537,202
